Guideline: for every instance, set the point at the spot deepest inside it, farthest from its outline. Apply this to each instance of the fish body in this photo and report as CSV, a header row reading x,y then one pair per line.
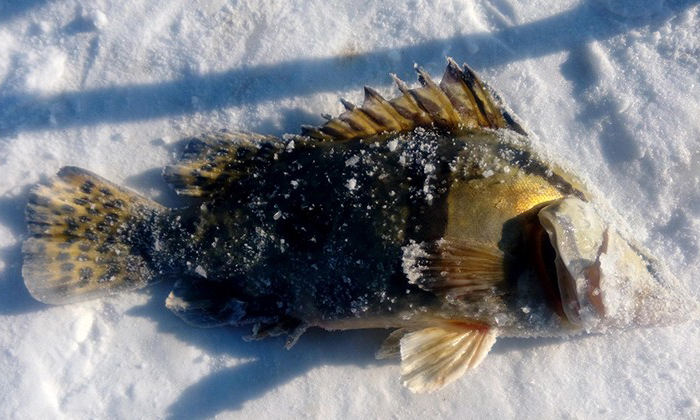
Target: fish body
x,y
332,239
429,214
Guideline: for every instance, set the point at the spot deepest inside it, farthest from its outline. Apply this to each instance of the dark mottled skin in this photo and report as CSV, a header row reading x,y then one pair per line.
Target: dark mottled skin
x,y
317,234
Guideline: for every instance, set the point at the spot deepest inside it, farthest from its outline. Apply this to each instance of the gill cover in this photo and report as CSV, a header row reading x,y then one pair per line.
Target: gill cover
x,y
605,280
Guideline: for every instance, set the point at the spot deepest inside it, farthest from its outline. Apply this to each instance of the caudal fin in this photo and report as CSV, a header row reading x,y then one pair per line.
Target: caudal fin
x,y
87,238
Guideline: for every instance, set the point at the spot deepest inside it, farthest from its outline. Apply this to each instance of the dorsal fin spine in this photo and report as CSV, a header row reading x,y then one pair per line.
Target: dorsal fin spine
x,y
461,101
390,117
446,109
347,104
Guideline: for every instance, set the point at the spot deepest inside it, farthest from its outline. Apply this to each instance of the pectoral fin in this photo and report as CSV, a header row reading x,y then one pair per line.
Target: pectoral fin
x,y
454,268
433,357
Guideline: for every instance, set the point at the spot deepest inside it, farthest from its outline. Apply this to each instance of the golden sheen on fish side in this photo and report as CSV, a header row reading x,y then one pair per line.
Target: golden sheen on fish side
x,y
429,214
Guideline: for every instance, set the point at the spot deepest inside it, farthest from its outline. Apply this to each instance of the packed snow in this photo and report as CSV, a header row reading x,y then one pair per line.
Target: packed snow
x,y
610,87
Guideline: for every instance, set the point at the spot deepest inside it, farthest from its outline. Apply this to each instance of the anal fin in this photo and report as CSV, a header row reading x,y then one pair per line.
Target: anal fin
x,y
434,357
276,326
204,303
207,303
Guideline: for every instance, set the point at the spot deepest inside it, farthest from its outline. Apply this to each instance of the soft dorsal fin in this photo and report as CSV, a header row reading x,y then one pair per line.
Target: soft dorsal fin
x,y
454,268
213,161
433,357
461,101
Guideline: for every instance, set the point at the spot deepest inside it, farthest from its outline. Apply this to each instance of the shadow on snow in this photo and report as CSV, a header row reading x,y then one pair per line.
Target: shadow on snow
x,y
14,297
271,365
244,85
10,9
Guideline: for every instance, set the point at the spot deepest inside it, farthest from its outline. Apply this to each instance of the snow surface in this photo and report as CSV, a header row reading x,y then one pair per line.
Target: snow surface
x,y
612,86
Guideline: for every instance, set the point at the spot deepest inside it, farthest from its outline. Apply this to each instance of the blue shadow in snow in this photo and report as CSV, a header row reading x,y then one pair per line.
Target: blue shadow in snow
x,y
14,297
244,84
270,365
11,9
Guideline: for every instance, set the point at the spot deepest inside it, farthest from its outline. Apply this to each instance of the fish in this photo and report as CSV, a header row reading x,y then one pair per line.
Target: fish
x,y
431,214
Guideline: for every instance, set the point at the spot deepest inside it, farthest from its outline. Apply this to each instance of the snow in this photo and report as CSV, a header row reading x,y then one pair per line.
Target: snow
x,y
609,86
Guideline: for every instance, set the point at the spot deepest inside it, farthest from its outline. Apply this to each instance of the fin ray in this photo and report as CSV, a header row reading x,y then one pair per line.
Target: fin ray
x,y
454,268
204,303
391,346
433,357
460,101
213,161
87,238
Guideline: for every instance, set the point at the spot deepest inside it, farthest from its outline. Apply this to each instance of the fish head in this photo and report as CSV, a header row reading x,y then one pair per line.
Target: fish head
x,y
604,280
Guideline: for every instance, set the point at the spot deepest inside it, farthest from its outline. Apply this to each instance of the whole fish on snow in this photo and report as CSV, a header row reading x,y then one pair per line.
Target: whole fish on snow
x,y
429,214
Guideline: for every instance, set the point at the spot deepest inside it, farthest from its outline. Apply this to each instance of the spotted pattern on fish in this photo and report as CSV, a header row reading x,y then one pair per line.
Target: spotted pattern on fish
x,y
80,225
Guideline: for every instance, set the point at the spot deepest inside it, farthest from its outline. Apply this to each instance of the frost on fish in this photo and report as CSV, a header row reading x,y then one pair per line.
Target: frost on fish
x,y
428,213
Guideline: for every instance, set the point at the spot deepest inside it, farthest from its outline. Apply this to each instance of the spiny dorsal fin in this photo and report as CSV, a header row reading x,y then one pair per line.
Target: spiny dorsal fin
x,y
213,161
87,238
433,357
454,268
461,101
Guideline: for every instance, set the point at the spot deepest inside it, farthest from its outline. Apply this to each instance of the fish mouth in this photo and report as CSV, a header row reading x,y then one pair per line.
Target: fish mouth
x,y
555,280
567,260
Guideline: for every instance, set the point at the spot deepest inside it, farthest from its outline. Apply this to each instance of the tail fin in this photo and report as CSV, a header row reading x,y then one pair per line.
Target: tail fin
x,y
88,238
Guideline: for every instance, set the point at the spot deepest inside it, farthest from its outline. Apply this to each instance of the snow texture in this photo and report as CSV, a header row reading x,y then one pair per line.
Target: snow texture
x,y
609,86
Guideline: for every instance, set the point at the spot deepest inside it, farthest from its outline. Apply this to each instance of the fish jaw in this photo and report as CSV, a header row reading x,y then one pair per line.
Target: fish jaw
x,y
605,280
